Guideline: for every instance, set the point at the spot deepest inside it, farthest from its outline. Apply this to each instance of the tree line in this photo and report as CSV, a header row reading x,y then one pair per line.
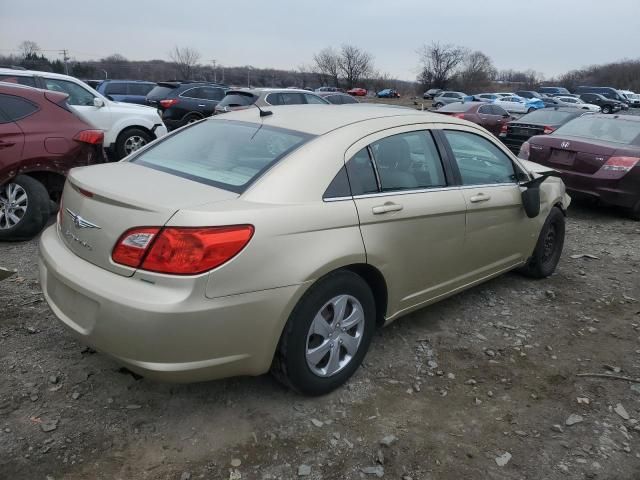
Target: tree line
x,y
443,66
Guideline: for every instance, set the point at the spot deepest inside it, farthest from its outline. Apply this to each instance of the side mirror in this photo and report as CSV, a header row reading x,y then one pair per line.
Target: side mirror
x,y
531,194
98,102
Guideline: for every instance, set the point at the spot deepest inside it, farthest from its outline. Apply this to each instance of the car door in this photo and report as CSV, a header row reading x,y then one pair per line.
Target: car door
x,y
212,96
11,135
498,233
81,100
411,216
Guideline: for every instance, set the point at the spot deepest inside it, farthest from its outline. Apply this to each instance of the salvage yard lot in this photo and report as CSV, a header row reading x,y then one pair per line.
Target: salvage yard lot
x,y
485,377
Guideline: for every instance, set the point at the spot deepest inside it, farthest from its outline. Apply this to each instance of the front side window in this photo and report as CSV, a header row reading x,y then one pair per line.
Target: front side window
x,y
16,108
408,161
292,98
77,95
195,92
480,161
223,153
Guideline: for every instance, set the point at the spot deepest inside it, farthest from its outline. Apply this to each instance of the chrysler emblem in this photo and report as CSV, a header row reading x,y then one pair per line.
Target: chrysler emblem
x,y
80,222
565,144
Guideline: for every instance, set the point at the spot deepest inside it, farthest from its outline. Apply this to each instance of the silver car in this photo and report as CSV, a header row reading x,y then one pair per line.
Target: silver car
x,y
246,243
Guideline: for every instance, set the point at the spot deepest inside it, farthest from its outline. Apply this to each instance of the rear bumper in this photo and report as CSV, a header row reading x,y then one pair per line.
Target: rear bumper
x,y
167,333
623,192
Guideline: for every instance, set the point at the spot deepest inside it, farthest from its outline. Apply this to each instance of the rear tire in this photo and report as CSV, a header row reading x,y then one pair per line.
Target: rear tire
x,y
530,110
438,105
32,212
192,118
131,140
295,364
548,249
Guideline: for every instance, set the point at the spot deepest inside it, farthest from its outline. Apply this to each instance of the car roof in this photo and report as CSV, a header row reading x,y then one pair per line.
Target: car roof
x,y
321,119
31,73
113,80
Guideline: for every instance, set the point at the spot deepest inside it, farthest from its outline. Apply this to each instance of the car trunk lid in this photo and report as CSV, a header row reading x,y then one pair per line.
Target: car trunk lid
x,y
571,153
100,203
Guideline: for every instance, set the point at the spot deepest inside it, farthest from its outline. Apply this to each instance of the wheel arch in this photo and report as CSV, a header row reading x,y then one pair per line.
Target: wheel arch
x,y
52,181
378,285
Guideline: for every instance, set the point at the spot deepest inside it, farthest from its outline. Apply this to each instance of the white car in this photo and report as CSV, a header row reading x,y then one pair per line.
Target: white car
x,y
578,103
634,98
505,94
515,104
126,126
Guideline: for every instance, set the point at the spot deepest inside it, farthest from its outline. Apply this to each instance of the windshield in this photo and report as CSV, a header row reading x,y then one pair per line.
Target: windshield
x,y
548,117
223,153
616,130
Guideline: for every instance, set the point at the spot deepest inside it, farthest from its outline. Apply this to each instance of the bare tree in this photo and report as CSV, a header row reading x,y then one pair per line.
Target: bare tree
x,y
115,58
185,58
327,65
439,62
354,64
28,49
477,72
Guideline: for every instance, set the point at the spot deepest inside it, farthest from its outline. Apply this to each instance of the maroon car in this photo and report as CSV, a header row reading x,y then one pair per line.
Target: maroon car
x,y
597,155
491,117
40,140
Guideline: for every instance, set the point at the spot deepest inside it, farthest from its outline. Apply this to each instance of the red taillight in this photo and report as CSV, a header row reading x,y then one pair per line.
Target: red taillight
x,y
504,129
458,115
181,250
168,103
86,193
524,151
548,130
132,246
94,137
620,164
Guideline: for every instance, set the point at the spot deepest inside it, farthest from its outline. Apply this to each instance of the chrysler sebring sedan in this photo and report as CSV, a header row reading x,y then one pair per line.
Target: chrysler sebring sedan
x,y
280,240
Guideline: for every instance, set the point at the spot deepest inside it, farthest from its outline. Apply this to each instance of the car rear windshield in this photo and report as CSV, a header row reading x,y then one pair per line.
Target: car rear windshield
x,y
456,107
160,92
224,153
616,130
238,99
550,117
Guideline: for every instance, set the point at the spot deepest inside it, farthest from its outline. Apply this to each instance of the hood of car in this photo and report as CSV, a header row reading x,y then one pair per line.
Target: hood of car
x,y
132,108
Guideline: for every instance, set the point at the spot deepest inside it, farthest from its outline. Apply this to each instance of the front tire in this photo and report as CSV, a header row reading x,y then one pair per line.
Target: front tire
x,y
24,208
606,109
438,105
548,249
131,140
327,335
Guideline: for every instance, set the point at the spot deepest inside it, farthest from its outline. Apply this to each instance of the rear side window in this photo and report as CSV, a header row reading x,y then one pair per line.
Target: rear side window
x,y
274,99
29,81
339,186
238,100
314,99
16,108
408,161
210,93
292,98
498,110
362,177
348,99
116,88
480,162
77,94
223,153
335,99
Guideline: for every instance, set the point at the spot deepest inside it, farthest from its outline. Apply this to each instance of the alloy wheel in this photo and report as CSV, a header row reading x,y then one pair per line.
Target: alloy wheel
x,y
13,205
133,143
335,335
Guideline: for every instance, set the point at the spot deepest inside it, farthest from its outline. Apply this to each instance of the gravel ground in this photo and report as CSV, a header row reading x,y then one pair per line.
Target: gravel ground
x,y
483,385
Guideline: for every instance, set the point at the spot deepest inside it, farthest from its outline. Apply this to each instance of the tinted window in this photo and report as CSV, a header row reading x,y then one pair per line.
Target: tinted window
x,y
616,130
274,99
498,110
77,94
222,153
16,108
479,160
339,186
335,99
361,175
115,88
140,88
160,92
292,98
29,81
195,92
237,100
348,99
315,99
485,110
408,160
212,93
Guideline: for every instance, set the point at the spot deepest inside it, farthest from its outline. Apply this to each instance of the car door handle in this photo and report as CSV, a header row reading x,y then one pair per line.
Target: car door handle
x,y
481,197
201,105
386,208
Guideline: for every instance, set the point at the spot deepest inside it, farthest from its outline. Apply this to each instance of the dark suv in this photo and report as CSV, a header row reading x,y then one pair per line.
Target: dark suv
x,y
185,102
606,104
128,91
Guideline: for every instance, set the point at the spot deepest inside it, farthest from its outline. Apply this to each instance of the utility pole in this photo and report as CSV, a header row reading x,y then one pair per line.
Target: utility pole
x,y
65,59
215,75
249,77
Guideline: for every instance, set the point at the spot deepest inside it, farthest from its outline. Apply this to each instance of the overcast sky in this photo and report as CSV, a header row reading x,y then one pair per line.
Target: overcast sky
x,y
549,36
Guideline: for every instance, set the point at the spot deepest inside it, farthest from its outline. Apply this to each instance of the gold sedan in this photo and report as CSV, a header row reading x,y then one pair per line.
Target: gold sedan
x,y
280,240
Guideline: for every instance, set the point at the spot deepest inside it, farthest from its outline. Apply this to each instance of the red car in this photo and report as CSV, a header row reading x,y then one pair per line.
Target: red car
x,y
357,92
491,117
40,140
597,155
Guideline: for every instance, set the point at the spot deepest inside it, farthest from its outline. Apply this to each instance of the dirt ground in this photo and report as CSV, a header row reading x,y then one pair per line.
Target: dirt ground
x,y
454,391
